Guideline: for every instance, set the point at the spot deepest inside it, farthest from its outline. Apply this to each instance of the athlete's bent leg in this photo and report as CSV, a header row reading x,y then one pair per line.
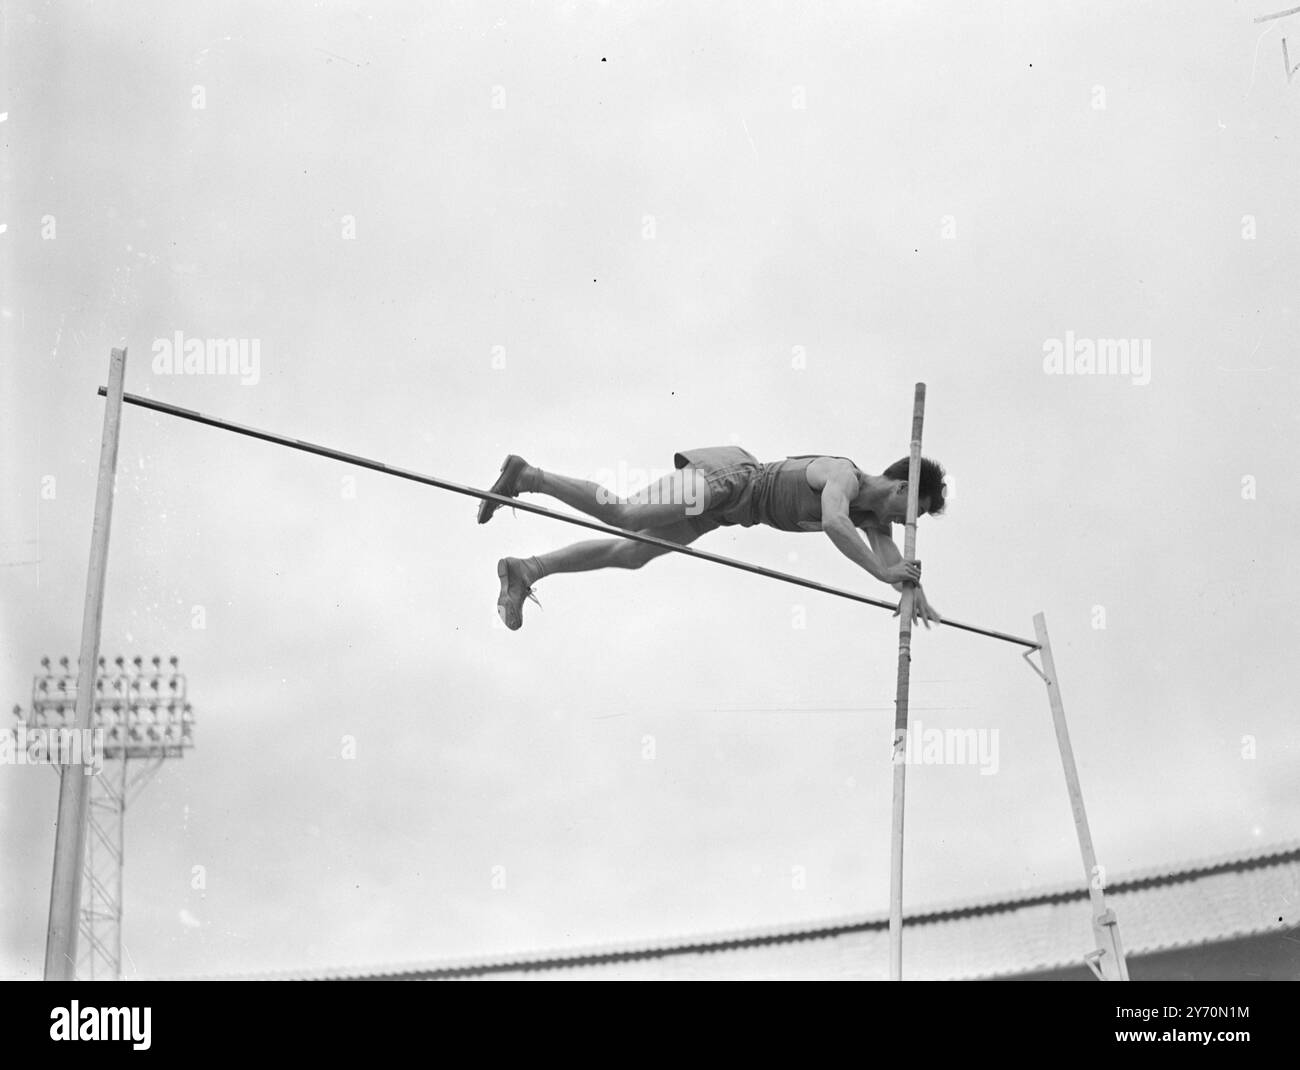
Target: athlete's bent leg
x,y
518,575
608,553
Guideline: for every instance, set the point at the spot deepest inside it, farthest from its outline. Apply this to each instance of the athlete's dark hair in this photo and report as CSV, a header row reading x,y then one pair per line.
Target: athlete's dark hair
x,y
932,485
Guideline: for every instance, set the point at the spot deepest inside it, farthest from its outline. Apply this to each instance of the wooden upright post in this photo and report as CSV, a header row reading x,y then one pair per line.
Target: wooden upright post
x,y
1108,960
900,704
70,833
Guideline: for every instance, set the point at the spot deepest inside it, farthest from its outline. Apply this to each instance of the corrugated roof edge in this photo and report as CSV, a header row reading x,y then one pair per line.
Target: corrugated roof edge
x,y
708,943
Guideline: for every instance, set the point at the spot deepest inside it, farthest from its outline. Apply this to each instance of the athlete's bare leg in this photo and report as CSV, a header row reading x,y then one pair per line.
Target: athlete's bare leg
x,y
608,553
518,575
681,493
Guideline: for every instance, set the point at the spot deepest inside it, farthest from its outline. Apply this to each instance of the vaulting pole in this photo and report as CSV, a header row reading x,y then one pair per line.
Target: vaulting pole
x,y
74,788
900,704
527,507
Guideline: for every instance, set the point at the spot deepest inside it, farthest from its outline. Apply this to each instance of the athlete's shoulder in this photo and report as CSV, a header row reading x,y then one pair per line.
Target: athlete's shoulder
x,y
827,468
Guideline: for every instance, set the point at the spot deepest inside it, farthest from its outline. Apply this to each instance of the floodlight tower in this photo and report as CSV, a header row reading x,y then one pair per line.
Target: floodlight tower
x,y
141,718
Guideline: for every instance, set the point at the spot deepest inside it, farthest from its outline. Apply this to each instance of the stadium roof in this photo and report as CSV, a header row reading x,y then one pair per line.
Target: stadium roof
x,y
1246,893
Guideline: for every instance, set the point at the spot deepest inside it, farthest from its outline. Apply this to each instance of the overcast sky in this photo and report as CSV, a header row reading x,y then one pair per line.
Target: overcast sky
x,y
596,235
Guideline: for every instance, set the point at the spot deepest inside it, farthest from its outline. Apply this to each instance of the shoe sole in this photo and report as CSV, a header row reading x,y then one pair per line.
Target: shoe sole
x,y
503,599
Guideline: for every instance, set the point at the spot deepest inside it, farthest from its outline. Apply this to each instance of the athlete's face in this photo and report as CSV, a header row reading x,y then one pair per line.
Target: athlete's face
x,y
896,505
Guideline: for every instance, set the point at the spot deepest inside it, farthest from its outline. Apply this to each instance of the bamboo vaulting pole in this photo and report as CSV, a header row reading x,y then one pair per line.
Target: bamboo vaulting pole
x,y
900,702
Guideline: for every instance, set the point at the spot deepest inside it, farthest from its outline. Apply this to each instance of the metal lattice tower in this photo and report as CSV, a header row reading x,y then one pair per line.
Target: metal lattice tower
x,y
141,718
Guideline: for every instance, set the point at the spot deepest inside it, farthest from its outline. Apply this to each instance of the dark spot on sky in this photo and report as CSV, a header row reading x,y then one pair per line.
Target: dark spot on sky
x,y
602,59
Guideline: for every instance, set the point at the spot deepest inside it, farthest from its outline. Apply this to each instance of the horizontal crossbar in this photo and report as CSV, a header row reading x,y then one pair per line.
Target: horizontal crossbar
x,y
515,503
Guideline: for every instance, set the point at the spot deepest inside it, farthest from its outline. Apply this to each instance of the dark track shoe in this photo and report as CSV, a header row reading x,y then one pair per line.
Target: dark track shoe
x,y
507,485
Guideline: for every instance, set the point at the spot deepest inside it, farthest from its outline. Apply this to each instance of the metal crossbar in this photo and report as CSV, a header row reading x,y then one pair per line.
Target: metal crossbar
x,y
515,503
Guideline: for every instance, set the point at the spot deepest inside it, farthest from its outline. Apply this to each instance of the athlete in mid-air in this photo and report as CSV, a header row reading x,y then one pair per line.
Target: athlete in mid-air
x,y
720,486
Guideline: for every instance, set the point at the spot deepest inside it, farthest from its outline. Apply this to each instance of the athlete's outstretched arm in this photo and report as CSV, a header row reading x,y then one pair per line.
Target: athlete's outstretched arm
x,y
882,542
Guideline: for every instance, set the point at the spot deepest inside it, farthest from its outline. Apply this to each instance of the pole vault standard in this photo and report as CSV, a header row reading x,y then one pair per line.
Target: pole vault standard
x,y
74,789
1107,961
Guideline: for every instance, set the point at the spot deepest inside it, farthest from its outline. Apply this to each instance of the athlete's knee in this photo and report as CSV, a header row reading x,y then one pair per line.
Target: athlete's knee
x,y
637,554
621,513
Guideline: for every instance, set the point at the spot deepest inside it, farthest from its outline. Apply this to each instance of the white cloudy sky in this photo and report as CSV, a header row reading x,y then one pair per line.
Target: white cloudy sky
x,y
524,227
